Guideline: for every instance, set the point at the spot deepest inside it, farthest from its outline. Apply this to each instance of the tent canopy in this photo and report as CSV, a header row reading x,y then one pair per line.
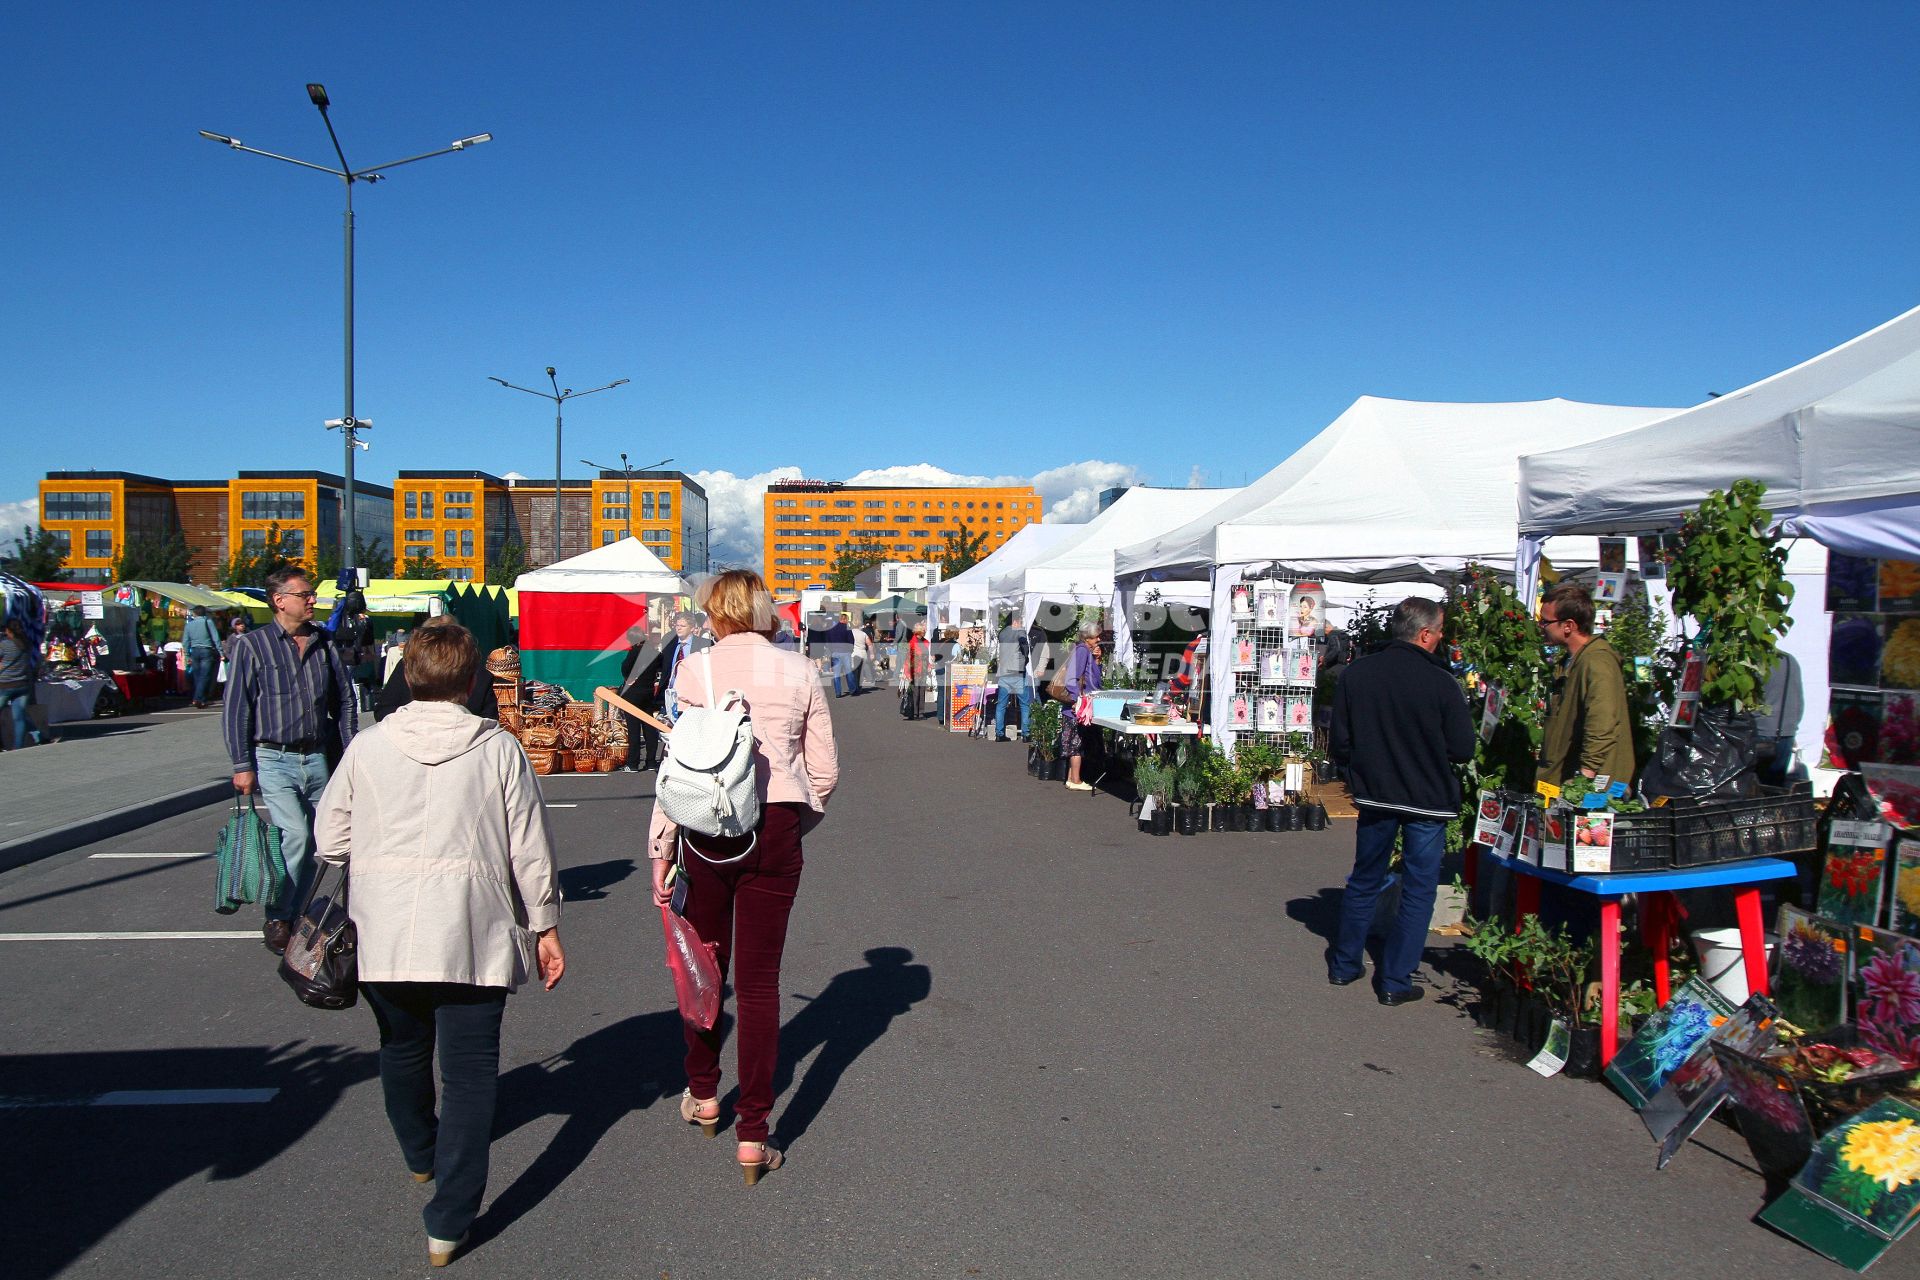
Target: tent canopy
x,y
184,593
1836,440
970,589
1082,567
619,567
1390,491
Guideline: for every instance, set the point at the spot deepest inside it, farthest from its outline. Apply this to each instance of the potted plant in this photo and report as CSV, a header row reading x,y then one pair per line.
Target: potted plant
x,y
1149,784
1237,793
1496,946
1043,721
1217,770
1189,780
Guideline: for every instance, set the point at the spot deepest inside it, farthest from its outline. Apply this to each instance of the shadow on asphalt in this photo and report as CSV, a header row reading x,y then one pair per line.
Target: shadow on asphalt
x,y
97,1166
848,1016
91,884
591,881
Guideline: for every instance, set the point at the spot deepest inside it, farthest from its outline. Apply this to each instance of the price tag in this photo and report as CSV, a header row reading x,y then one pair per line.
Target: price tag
x,y
1547,791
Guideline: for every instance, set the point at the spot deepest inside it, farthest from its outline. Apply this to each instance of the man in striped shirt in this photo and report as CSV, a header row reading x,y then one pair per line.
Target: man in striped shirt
x,y
289,707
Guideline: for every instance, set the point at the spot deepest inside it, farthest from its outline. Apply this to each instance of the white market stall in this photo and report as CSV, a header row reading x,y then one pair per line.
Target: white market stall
x,y
1836,440
574,614
968,591
1392,491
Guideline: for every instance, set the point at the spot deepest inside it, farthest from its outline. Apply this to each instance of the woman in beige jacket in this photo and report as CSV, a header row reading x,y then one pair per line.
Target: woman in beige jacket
x,y
438,818
742,906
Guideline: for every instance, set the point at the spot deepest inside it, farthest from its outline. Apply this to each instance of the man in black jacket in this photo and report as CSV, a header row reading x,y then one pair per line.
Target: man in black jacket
x,y
1400,724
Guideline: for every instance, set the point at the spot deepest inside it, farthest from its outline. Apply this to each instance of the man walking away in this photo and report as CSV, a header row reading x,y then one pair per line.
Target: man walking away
x,y
1588,732
863,670
643,740
840,655
1011,676
202,641
1400,723
290,709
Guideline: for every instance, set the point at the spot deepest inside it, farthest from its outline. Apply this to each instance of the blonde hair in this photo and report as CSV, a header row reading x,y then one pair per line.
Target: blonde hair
x,y
737,600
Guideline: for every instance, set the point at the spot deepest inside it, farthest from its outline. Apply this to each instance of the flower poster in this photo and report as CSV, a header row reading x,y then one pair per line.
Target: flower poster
x,y
1853,649
1242,598
1896,789
1273,667
1667,1039
1809,979
1860,1189
1900,727
1886,993
1854,879
1243,651
1899,586
1853,735
1697,1089
1900,658
1853,584
1773,1118
1613,555
1903,912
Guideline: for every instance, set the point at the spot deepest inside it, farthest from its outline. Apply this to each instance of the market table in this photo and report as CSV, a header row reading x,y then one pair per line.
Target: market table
x,y
136,686
68,698
1658,920
1179,729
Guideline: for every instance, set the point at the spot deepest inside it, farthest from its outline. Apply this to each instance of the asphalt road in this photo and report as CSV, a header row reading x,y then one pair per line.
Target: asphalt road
x,y
1024,1041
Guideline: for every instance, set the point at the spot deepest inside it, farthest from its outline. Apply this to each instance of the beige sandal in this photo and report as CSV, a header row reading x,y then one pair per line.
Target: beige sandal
x,y
690,1112
771,1158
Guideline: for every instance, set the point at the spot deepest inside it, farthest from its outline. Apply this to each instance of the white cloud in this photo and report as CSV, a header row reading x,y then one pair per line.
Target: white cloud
x,y
1196,478
735,510
14,519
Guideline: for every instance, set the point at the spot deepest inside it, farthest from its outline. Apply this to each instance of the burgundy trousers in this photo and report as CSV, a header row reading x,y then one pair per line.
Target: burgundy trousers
x,y
743,907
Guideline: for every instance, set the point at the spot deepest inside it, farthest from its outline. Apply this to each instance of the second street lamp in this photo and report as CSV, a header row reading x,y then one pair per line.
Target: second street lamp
x,y
559,397
348,175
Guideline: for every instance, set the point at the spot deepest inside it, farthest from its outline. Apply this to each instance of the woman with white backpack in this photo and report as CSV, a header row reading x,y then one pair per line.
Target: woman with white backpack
x,y
739,847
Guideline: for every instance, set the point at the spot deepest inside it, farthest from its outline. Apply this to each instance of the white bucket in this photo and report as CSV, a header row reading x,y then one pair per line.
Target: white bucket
x,y
1723,961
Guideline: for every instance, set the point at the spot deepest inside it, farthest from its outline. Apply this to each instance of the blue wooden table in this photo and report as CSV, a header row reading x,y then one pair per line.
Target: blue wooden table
x,y
1660,916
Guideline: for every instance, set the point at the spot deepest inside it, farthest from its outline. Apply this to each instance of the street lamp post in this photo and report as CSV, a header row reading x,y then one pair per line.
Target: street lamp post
x,y
559,397
348,175
626,471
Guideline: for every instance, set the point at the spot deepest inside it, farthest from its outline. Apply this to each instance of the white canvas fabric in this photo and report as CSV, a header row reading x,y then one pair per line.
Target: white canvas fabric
x,y
968,590
617,568
1835,439
707,783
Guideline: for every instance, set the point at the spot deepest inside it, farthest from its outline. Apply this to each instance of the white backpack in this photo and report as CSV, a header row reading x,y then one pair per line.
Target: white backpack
x,y
707,782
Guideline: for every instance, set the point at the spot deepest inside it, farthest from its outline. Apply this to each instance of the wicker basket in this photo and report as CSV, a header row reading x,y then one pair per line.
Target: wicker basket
x,y
542,759
586,760
504,663
563,761
541,733
510,718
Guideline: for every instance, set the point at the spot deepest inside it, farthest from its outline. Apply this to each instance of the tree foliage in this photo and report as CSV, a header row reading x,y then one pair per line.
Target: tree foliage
x,y
504,569
36,556
855,558
420,568
1499,639
150,559
1730,576
962,549
249,566
371,556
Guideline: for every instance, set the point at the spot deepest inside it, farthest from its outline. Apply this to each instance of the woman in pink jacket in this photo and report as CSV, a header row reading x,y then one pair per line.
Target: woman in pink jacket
x,y
743,906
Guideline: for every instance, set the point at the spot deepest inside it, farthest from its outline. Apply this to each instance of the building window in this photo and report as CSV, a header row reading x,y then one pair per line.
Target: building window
x,y
843,503
785,502
99,544
814,502
921,533
609,536
999,519
79,506
412,509
419,535
466,542
460,575
935,520
62,541
999,506
666,506
288,504
876,504
903,519
876,519
449,543
836,519
646,506
458,506
426,504
656,535
613,507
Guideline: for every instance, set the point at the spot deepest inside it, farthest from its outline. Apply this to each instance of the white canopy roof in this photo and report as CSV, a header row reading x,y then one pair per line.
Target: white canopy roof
x,y
968,589
619,567
1836,441
1391,490
1082,568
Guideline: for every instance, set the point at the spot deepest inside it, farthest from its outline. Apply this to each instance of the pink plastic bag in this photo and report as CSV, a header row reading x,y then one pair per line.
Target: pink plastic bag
x,y
696,974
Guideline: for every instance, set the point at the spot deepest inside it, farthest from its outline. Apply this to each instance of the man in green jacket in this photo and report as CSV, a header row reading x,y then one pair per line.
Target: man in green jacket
x,y
1588,731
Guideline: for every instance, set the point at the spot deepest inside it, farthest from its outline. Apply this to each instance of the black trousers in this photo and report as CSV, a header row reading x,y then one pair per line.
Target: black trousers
x,y
641,737
463,1023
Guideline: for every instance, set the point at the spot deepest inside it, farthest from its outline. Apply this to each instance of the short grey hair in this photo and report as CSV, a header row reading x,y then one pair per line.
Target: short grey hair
x,y
1413,615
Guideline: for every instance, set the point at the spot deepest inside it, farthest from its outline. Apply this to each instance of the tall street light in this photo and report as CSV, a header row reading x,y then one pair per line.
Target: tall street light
x,y
348,175
626,471
559,397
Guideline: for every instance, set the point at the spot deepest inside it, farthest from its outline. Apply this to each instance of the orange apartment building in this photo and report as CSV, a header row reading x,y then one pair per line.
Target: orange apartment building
x,y
808,522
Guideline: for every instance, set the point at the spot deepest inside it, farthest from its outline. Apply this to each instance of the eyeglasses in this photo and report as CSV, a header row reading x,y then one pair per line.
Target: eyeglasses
x,y
1553,622
300,595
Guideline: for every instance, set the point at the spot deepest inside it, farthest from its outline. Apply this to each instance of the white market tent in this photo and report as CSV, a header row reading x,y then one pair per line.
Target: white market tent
x,y
1836,440
968,590
623,566
1390,492
1080,569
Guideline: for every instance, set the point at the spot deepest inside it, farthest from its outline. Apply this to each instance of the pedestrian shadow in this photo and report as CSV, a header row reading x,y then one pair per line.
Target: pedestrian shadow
x,y
594,1084
1320,913
98,1165
590,882
848,1016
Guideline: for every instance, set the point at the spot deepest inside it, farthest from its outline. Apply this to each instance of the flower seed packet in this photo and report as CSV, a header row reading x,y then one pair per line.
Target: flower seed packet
x,y
1900,656
1899,586
1556,827
1853,584
1273,667
1903,910
1886,993
1653,561
1299,715
1301,667
1496,706
1613,555
1271,717
1896,789
1810,968
1773,1116
1853,649
1271,607
1242,598
1592,847
1859,1191
1667,1039
1240,712
1486,822
1697,1089
1853,735
1853,881
1243,652
1900,727
1553,1054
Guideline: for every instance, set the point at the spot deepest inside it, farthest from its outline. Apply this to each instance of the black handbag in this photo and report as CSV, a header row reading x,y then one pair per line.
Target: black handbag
x,y
321,962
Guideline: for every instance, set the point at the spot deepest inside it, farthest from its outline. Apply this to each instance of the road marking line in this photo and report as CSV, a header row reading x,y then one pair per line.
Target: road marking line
x,y
184,935
149,855
149,1098
562,806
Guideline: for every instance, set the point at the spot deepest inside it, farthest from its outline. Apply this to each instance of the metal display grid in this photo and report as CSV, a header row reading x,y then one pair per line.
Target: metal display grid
x,y
1270,637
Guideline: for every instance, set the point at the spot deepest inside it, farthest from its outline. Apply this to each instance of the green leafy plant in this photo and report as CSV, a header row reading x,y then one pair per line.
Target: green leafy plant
x,y
37,556
1730,576
1260,760
1637,636
1190,778
1043,727
1498,639
1236,786
1495,945
1216,773
1151,778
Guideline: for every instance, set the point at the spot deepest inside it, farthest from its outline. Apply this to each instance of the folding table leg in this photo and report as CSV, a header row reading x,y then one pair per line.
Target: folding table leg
x,y
1470,871
1609,979
1526,902
1753,938
1657,917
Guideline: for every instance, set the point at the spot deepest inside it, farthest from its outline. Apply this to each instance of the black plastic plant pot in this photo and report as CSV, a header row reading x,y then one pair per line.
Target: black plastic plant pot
x,y
1277,817
1323,771
1186,820
1302,816
1223,817
1506,1012
1250,818
1162,821
1237,818
1583,1053
1316,817
1059,770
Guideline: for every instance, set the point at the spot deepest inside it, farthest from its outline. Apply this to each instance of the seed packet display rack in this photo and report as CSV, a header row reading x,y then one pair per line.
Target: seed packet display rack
x,y
1273,680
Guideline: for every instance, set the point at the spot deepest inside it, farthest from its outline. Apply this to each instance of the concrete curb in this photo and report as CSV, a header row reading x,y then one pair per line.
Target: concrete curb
x,y
18,853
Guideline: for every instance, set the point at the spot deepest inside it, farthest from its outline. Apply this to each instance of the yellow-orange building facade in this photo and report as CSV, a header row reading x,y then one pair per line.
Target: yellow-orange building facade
x,y
808,523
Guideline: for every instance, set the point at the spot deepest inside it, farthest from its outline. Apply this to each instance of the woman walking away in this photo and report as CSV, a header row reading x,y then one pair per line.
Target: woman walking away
x,y
18,667
1082,678
741,889
437,816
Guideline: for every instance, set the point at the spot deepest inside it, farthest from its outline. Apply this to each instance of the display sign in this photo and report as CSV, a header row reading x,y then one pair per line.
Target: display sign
x,y
969,695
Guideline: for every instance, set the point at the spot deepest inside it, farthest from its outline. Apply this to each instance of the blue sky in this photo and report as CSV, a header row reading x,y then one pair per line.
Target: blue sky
x,y
980,239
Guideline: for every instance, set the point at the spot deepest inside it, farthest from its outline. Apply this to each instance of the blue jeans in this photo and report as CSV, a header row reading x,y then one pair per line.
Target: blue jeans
x,y
290,786
206,665
463,1022
842,667
17,701
1012,688
1425,840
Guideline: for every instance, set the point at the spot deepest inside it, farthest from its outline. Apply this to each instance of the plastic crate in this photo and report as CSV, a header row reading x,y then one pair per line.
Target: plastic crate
x,y
1774,824
1643,841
